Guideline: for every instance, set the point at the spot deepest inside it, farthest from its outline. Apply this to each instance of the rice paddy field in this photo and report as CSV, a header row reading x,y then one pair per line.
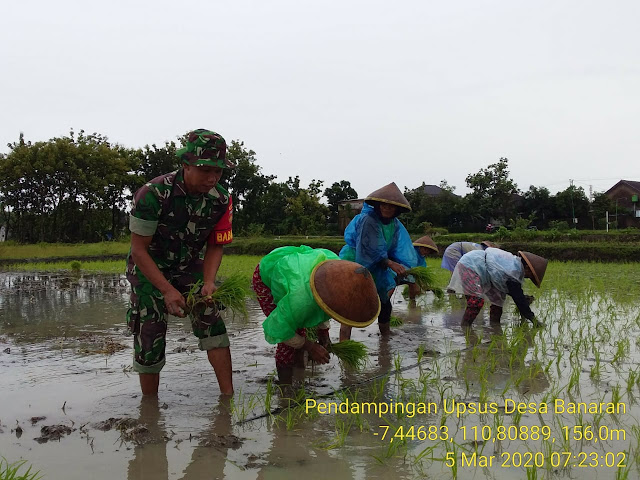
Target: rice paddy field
x,y
435,400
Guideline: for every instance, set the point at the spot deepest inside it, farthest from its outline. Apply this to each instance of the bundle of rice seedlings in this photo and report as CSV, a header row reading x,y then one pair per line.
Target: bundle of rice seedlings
x,y
396,321
425,279
231,294
350,352
312,334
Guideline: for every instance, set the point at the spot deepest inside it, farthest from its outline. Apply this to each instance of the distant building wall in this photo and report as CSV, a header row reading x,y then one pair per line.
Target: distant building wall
x,y
626,194
346,211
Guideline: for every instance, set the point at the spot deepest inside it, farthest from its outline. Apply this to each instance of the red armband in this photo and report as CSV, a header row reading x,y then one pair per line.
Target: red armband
x,y
222,233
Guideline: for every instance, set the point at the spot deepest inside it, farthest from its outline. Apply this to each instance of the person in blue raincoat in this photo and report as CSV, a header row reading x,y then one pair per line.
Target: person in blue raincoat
x,y
423,246
377,240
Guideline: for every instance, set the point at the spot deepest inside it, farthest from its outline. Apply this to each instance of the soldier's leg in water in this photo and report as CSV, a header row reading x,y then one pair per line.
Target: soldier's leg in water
x,y
147,321
211,331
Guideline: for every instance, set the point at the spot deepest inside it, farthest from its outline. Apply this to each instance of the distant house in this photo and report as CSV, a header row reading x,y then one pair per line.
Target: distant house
x,y
434,190
347,209
625,194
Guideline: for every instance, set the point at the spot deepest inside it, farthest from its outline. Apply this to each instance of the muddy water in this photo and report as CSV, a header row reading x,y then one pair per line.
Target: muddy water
x,y
64,356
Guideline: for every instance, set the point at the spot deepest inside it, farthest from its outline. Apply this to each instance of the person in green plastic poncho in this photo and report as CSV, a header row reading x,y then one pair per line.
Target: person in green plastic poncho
x,y
303,287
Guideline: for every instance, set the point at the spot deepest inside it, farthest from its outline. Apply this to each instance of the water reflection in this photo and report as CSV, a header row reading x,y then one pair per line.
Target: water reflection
x,y
55,300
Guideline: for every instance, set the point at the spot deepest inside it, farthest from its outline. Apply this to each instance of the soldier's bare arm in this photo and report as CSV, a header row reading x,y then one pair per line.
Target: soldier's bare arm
x,y
140,253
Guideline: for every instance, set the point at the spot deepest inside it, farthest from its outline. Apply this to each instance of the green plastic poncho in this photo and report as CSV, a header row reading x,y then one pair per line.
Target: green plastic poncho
x,y
286,271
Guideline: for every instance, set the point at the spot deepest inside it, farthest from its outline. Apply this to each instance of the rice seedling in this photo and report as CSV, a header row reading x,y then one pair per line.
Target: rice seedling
x,y
11,471
231,294
397,362
595,369
351,353
396,321
425,279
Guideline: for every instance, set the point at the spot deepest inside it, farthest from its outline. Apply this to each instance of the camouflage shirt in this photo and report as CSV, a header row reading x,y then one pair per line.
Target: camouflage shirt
x,y
181,224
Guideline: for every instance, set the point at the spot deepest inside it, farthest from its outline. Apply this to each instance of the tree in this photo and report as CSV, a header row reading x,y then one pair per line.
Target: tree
x,y
600,205
493,191
247,185
572,202
537,202
338,192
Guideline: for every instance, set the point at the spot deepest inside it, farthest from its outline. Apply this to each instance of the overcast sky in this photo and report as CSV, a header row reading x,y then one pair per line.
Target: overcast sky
x,y
367,91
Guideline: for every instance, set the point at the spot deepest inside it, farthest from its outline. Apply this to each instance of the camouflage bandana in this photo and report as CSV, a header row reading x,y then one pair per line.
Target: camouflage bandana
x,y
205,147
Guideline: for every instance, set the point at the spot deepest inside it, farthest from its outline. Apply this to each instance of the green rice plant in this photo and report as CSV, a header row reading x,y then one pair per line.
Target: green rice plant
x,y
350,353
377,387
10,471
532,472
425,279
622,473
232,294
622,350
616,396
396,321
397,362
595,369
76,266
420,353
631,380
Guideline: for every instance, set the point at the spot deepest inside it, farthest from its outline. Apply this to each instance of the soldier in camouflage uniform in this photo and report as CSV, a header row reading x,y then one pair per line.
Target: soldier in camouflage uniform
x,y
179,223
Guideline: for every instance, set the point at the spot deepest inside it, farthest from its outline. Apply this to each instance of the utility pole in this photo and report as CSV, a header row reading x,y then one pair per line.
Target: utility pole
x,y
573,213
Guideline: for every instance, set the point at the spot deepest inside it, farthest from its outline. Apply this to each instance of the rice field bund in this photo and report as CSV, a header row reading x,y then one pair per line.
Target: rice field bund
x,y
435,400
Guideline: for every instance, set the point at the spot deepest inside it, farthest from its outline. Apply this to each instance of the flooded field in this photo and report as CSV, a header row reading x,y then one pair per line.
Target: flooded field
x,y
436,400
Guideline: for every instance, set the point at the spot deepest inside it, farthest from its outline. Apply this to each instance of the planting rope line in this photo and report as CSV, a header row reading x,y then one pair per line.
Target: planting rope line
x,y
335,392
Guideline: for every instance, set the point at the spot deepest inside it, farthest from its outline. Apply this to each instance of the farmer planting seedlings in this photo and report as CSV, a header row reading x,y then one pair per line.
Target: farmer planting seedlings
x,y
299,288
377,240
492,274
174,218
423,246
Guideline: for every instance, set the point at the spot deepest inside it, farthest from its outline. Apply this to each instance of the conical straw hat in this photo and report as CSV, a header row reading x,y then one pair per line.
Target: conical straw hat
x,y
537,265
426,242
346,291
489,244
390,194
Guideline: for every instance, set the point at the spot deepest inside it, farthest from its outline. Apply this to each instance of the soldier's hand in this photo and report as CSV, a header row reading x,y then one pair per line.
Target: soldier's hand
x,y
175,303
207,289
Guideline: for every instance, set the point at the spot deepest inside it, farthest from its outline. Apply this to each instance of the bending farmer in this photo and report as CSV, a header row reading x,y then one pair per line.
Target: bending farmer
x,y
492,274
302,287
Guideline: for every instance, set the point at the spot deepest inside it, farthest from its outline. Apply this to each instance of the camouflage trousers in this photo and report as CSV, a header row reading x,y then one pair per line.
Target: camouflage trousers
x,y
147,319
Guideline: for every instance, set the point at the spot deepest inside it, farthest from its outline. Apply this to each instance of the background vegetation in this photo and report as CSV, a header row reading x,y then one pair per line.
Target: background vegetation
x,y
77,188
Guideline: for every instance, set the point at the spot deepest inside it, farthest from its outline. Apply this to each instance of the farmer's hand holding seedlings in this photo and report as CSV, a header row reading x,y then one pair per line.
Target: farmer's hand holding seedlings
x,y
317,352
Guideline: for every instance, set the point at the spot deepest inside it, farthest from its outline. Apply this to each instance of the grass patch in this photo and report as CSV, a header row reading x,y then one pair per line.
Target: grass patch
x,y
11,471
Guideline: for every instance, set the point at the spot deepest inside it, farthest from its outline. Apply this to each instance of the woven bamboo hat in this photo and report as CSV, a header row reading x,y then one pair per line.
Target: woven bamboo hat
x,y
537,265
390,194
488,244
426,242
345,290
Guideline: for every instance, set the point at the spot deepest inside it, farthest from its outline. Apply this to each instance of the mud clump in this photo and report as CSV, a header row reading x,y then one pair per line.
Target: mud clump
x,y
221,441
35,420
120,424
53,432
